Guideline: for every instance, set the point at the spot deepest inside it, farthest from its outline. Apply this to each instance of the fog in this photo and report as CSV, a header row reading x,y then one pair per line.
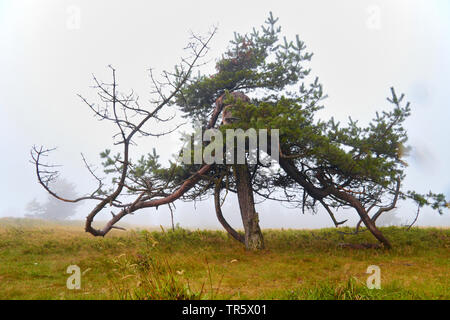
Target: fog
x,y
51,48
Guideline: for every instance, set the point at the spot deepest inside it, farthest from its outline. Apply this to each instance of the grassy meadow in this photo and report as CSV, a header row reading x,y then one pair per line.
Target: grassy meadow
x,y
183,264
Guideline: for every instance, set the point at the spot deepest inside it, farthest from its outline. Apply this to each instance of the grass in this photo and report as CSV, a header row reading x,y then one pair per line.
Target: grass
x,y
183,264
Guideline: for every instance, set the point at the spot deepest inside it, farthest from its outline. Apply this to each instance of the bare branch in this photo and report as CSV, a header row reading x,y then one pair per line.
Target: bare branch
x,y
45,177
239,237
336,223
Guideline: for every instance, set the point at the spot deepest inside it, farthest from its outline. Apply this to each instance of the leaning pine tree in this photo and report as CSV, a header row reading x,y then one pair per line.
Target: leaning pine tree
x,y
259,83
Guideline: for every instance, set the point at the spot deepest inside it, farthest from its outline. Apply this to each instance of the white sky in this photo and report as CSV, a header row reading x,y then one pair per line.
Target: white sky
x,y
361,48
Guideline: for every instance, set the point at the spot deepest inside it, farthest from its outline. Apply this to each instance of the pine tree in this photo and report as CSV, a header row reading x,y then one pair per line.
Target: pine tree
x,y
260,82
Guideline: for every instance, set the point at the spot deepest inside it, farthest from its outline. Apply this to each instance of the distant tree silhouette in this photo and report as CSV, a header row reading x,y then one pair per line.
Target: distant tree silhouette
x,y
54,209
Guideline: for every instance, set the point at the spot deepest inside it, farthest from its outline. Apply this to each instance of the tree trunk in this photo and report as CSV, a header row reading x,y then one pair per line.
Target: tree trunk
x,y
253,236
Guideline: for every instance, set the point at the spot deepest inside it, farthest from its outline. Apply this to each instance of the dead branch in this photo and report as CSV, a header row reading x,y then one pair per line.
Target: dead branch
x,y
46,174
115,110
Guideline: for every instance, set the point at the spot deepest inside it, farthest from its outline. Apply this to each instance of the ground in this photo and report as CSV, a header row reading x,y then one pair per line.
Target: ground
x,y
183,264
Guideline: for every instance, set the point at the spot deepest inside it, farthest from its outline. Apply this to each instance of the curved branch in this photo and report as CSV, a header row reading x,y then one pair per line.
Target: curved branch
x,y
363,214
138,204
236,235
384,209
45,176
319,194
392,205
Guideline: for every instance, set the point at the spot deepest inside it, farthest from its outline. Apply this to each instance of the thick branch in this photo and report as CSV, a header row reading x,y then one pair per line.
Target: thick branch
x,y
384,209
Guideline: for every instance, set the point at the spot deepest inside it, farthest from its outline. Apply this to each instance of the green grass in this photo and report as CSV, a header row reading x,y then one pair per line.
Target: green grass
x,y
183,264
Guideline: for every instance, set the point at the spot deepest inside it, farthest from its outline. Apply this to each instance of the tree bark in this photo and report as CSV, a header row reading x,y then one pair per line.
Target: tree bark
x,y
253,236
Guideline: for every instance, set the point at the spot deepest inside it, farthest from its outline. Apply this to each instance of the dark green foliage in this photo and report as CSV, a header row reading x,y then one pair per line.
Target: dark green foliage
x,y
258,60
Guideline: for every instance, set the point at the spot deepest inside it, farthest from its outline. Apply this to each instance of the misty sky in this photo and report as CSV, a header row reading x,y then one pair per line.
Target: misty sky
x,y
51,48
